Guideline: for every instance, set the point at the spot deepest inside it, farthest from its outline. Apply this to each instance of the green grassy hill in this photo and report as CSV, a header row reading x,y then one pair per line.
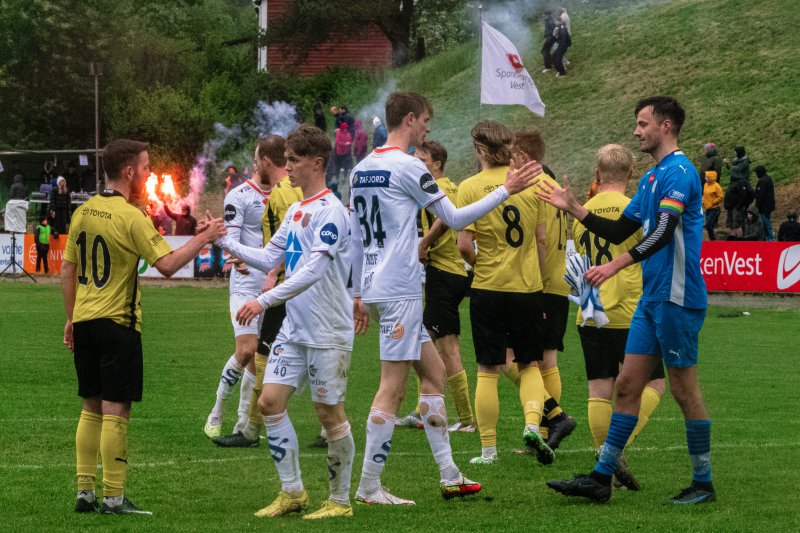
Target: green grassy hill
x,y
732,63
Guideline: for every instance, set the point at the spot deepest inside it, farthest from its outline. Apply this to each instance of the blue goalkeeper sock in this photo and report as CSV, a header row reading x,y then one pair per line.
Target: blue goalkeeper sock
x,y
618,433
698,438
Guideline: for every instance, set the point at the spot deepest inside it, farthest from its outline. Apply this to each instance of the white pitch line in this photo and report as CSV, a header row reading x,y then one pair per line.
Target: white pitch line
x,y
586,450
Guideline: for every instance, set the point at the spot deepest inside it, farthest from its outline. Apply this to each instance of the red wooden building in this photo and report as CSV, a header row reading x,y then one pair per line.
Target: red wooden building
x,y
370,50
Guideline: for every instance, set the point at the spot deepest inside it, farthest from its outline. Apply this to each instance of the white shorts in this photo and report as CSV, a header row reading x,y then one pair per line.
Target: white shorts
x,y
324,369
237,300
401,329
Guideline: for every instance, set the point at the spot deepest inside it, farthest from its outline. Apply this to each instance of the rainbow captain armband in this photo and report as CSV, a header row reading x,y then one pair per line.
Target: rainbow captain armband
x,y
671,206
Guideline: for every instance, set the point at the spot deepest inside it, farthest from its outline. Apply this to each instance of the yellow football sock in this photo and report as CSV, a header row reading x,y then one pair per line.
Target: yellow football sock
x,y
552,382
87,445
114,451
600,411
255,419
650,400
531,394
513,373
487,407
458,386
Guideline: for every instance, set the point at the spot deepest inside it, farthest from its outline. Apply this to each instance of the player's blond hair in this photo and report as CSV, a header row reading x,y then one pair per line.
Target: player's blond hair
x,y
614,163
493,141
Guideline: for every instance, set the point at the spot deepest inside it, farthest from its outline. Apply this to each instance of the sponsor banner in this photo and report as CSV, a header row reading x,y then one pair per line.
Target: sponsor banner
x,y
5,249
186,271
751,266
54,256
211,263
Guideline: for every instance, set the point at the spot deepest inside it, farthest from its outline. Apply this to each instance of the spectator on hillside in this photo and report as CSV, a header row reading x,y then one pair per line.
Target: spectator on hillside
x,y
360,142
753,226
18,191
790,230
712,199
711,161
343,147
72,177
378,134
740,165
185,223
563,41
348,119
765,199
549,40
60,206
319,117
89,178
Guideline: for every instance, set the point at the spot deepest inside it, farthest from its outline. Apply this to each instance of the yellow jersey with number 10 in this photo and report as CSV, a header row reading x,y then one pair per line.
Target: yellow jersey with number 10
x,y
619,294
106,239
507,258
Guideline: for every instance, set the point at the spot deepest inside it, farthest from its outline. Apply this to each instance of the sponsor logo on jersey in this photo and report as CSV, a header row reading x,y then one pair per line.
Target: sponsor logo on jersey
x,y
371,178
652,177
155,239
677,195
428,184
230,212
397,331
329,234
312,370
95,213
297,216
278,349
371,259
789,267
293,251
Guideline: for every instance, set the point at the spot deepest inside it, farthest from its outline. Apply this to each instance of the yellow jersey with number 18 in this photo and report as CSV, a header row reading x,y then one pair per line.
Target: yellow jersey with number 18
x,y
507,258
619,294
106,239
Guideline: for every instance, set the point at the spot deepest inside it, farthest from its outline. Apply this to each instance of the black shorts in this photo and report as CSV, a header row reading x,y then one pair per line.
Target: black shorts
x,y
604,351
443,294
108,360
503,320
270,325
556,312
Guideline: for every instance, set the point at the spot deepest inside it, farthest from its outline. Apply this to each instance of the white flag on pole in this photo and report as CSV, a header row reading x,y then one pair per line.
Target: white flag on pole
x,y
503,78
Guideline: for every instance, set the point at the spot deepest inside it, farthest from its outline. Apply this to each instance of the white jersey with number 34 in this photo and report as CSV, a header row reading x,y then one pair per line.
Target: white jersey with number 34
x,y
389,187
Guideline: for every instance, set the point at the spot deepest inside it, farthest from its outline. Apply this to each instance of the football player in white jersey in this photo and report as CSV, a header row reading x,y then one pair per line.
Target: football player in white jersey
x,y
388,188
244,206
315,341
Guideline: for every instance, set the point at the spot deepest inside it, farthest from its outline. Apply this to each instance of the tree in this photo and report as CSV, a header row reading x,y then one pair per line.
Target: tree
x,y
308,23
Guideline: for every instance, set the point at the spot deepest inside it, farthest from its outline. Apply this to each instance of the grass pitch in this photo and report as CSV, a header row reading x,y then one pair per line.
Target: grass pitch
x,y
747,371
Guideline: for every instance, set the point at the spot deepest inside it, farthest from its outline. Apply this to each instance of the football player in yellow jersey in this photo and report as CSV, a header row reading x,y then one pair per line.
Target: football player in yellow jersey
x,y
446,285
99,283
506,303
556,424
604,349
268,163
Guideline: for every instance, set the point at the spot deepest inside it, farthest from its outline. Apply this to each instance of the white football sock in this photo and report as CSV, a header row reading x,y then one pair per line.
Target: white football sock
x,y
432,406
231,374
245,392
380,427
285,451
341,450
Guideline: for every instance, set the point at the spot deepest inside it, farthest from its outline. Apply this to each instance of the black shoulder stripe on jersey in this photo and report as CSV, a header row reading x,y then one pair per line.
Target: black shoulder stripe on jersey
x,y
272,220
133,294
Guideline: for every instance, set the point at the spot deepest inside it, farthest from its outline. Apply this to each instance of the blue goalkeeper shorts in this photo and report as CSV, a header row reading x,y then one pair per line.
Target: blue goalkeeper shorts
x,y
666,329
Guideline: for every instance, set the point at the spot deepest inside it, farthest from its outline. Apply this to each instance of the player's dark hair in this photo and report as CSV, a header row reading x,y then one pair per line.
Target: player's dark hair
x,y
435,150
310,141
398,105
272,147
119,154
530,143
664,108
493,142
